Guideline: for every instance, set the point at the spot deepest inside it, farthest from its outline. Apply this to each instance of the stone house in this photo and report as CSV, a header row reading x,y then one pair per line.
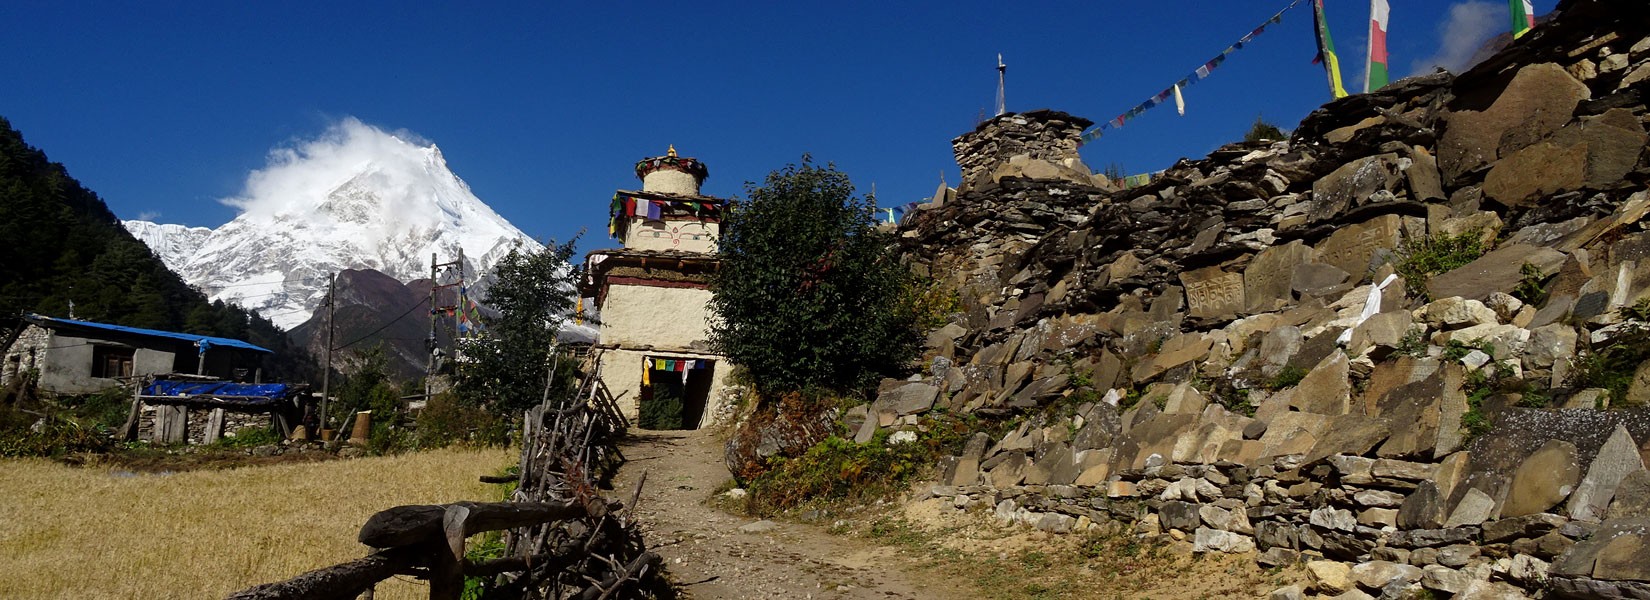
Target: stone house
x,y
652,297
82,357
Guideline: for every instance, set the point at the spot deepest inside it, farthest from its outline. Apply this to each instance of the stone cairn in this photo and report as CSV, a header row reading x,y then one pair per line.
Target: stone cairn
x,y
1225,359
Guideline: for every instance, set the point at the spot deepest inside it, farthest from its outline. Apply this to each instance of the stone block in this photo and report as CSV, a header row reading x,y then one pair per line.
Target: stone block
x,y
1615,460
1500,270
1266,281
1543,480
1538,101
1325,390
1329,577
1352,247
1215,540
1213,293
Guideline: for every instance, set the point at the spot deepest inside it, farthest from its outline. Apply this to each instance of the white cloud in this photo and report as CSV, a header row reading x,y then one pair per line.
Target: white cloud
x,y
1470,24
149,215
299,177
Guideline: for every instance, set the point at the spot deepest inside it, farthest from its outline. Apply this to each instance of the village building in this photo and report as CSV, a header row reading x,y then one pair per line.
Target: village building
x,y
83,357
185,388
652,301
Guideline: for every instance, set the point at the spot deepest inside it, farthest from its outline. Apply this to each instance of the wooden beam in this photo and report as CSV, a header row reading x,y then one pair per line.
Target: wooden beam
x,y
337,582
415,524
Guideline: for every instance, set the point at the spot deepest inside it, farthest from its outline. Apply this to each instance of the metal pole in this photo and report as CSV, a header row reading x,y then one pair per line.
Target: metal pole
x,y
326,374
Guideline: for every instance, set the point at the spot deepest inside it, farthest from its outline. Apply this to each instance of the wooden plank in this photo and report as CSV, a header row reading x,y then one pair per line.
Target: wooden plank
x,y
214,426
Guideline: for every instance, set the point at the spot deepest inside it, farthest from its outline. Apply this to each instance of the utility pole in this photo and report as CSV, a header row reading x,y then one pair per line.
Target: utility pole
x,y
326,374
433,342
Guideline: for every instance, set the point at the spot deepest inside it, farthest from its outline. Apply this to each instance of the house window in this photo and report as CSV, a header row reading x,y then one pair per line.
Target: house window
x,y
111,361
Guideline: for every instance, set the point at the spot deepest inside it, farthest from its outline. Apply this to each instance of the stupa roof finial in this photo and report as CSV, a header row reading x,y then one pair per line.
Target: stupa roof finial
x,y
672,152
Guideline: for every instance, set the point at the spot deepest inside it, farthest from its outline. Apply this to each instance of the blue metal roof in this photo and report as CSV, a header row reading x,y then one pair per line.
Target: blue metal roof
x,y
187,337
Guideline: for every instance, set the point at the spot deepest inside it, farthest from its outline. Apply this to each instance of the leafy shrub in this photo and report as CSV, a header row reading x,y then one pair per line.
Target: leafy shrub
x,y
838,469
1413,344
933,303
54,436
447,419
810,294
1288,376
249,437
1531,288
1262,131
1419,259
1611,367
1639,311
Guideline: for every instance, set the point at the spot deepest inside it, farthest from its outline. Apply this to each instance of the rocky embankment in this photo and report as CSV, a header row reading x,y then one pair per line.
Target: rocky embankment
x,y
1405,347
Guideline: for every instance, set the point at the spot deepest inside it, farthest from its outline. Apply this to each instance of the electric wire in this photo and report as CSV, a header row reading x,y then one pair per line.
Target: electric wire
x,y
386,325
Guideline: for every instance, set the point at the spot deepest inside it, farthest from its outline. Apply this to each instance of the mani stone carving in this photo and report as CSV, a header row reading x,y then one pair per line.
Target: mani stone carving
x,y
1212,293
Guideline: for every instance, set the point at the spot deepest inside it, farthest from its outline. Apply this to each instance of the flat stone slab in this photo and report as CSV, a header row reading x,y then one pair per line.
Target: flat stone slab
x,y
1498,271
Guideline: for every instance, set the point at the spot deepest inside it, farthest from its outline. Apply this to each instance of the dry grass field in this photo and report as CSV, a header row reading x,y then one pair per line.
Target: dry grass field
x,y
68,532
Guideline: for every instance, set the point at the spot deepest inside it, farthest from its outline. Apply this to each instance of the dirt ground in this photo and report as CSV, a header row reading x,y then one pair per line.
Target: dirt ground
x,y
708,554
915,550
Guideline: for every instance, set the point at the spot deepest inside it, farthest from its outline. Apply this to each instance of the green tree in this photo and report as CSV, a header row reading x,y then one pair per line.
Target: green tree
x,y
810,295
1264,131
533,292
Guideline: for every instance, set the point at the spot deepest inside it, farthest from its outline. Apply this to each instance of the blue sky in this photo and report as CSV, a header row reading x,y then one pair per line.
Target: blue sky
x,y
163,108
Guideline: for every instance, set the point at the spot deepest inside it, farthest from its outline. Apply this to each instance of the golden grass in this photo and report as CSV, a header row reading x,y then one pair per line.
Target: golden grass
x,y
70,532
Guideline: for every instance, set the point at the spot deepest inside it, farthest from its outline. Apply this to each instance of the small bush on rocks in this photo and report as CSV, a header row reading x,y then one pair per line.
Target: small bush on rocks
x,y
1420,259
1288,376
838,469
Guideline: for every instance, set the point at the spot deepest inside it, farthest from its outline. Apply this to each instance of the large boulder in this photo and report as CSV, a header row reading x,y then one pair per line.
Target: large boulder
x,y
1325,390
1594,152
1618,458
1545,479
1619,551
1540,99
1497,271
782,427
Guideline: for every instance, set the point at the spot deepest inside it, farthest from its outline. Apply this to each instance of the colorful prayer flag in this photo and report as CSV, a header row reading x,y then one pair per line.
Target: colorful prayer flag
x,y
1375,76
1179,102
1326,50
1523,17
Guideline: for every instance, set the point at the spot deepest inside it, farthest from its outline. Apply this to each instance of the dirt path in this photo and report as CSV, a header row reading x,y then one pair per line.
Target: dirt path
x,y
707,551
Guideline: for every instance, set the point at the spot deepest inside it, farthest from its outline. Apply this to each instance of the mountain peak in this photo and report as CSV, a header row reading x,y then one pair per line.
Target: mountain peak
x,y
357,197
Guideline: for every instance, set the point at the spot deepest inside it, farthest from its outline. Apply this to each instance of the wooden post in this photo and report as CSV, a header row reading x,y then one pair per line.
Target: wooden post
x,y
447,562
128,432
214,426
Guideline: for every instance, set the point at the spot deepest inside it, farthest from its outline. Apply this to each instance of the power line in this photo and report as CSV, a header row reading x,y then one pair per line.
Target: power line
x,y
386,325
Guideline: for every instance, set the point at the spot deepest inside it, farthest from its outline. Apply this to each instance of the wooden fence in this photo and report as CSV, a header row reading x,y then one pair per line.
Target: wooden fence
x,y
562,538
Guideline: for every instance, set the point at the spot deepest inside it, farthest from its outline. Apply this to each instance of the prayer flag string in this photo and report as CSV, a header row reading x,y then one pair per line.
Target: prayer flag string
x,y
1173,91
624,207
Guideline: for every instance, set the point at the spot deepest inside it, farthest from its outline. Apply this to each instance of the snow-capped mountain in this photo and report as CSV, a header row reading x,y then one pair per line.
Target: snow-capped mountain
x,y
173,244
358,198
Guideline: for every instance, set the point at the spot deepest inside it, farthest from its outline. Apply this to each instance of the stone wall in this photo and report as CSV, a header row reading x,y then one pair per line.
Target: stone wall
x,y
1227,359
197,423
1047,137
666,318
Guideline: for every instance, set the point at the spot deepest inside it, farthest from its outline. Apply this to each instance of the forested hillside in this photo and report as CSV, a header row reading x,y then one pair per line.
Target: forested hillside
x,y
63,245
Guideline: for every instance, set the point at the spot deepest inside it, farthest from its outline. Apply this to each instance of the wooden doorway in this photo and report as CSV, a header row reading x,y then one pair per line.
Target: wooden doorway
x,y
675,393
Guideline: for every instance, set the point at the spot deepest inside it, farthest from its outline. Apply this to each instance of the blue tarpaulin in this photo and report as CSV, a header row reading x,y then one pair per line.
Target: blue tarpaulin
x,y
221,391
201,341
